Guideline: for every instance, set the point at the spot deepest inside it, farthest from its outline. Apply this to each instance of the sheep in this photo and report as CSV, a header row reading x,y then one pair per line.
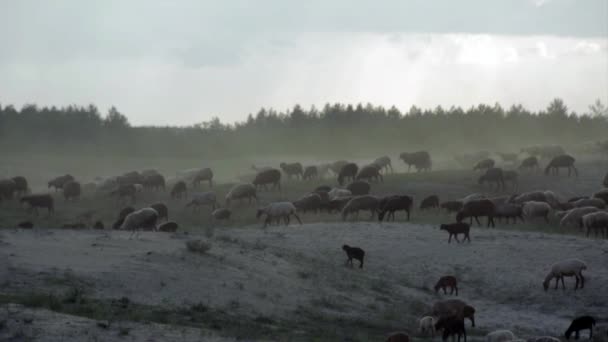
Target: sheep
x,y
357,203
144,218
130,178
590,202
578,324
457,228
530,163
162,210
508,211
478,208
369,173
574,216
21,186
154,182
576,198
445,282
309,202
534,209
391,204
168,227
420,159
500,336
240,191
71,190
339,193
384,163
25,225
179,189
561,161
499,200
7,188
493,175
202,175
597,221
484,164
472,197
121,217
221,214
508,157
293,169
125,191
310,173
203,198
451,326
430,202
359,188
39,201
139,188
348,171
452,206
454,307
263,178
538,196
566,268
58,182
552,199
511,176
278,210
336,166
336,204
398,337
354,253
603,194
426,325
98,225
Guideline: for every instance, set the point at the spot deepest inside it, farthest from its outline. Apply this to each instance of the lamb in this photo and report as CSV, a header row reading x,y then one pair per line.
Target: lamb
x,y
354,253
310,173
578,324
457,228
534,209
154,182
590,202
203,175
454,307
530,163
7,189
71,190
162,210
125,191
597,221
478,208
508,211
21,186
384,163
203,198
398,337
452,206
240,191
121,217
221,214
369,173
144,218
348,171
39,201
278,210
493,175
391,204
339,193
500,336
420,159
310,202
179,189
575,216
263,178
168,227
603,194
561,161
357,203
484,164
58,182
293,169
426,325
430,202
566,268
445,282
359,188
451,326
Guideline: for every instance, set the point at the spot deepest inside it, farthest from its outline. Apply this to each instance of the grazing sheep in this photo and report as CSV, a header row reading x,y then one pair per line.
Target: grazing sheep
x,y
354,253
58,182
121,217
426,325
359,188
39,201
162,210
511,176
603,194
508,157
578,324
534,209
309,202
179,189
445,282
452,326
130,178
493,175
71,190
25,225
509,211
574,217
472,197
144,218
597,221
322,188
530,164
168,227
454,307
310,173
21,186
339,193
457,228
221,214
336,166
384,163
357,203
369,173
203,198
561,161
420,159
263,178
552,199
278,210
125,191
398,337
484,164
7,189
566,268
241,191
452,206
293,169
537,196
391,204
590,202
348,172
478,208
98,225
154,182
336,204
500,336
204,175
430,202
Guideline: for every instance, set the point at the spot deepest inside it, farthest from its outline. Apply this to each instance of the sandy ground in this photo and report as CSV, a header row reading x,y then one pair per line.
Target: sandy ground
x,y
282,272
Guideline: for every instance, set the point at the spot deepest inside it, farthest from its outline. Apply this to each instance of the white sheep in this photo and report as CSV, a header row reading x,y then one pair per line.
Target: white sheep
x,y
533,209
500,336
552,199
537,196
566,268
426,325
596,221
339,193
278,210
203,198
143,218
574,216
240,191
590,202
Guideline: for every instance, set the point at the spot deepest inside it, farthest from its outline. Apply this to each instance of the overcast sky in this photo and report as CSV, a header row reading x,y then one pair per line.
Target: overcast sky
x,y
182,62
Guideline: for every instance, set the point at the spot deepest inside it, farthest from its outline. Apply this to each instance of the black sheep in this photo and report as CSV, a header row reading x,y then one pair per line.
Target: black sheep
x,y
451,325
179,189
265,177
457,228
578,324
359,188
452,206
475,209
354,253
348,171
394,203
430,202
39,201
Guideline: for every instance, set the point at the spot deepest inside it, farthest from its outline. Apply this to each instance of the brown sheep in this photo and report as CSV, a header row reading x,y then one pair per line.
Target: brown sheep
x,y
21,185
391,204
484,164
357,203
71,190
430,202
221,214
445,282
493,175
203,175
354,253
293,169
162,210
369,173
421,160
477,208
530,163
179,189
309,202
562,161
263,178
154,182
310,173
359,188
168,227
242,191
457,228
39,201
58,182
452,206
398,337
336,204
454,307
451,326
7,189
349,171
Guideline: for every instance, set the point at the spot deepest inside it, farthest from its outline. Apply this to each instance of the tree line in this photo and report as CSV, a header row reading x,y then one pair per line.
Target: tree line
x,y
335,129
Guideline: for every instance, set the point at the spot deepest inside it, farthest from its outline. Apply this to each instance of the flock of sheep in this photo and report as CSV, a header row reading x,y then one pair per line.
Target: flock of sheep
x,y
353,195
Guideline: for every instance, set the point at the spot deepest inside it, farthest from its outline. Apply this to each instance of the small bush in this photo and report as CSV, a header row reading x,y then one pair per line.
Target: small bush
x,y
198,246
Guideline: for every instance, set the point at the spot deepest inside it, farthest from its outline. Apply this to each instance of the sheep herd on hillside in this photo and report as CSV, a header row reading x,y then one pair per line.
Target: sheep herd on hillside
x,y
352,194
